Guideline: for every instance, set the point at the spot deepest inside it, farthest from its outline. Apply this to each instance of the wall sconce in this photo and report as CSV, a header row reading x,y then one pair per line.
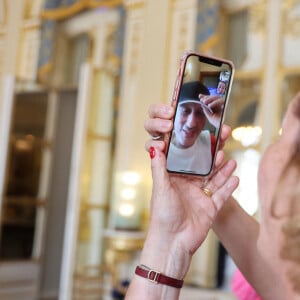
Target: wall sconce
x,y
128,202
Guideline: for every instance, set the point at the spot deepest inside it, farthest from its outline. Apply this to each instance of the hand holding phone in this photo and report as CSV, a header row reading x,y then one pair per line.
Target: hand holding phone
x,y
200,98
213,108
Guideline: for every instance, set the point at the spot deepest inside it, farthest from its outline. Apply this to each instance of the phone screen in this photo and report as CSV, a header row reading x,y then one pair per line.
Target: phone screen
x,y
202,91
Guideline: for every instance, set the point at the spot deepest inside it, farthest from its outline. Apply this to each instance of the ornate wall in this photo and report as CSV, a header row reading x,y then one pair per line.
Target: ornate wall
x,y
261,37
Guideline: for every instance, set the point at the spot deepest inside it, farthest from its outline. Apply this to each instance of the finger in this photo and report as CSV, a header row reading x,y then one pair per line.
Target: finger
x,y
221,175
158,126
219,159
209,99
217,104
206,109
162,111
225,134
160,145
158,167
225,191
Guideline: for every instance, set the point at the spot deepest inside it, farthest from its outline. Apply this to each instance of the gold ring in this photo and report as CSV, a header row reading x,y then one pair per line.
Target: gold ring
x,y
207,191
156,137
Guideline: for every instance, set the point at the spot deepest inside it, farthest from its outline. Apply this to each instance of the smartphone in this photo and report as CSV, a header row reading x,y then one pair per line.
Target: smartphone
x,y
200,98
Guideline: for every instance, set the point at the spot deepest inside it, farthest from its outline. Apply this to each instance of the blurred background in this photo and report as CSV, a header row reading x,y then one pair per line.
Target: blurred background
x,y
76,80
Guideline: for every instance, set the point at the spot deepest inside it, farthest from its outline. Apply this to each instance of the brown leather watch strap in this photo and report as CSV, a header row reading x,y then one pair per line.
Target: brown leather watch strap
x,y
157,277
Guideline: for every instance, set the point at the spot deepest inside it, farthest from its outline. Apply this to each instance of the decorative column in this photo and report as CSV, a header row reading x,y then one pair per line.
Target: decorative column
x,y
270,122
130,135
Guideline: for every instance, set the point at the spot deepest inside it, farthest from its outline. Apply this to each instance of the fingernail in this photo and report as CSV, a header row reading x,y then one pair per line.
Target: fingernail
x,y
152,152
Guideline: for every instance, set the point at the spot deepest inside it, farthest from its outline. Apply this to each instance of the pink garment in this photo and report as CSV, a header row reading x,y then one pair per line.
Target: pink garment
x,y
242,289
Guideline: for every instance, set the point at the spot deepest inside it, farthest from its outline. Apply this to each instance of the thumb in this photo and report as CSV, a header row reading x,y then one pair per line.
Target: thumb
x,y
158,165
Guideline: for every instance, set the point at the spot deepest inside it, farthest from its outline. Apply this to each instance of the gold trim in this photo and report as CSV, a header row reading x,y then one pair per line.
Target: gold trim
x,y
45,144
257,17
87,206
65,12
209,43
100,137
25,201
32,24
289,70
105,3
124,244
61,13
288,4
130,4
43,71
234,10
246,75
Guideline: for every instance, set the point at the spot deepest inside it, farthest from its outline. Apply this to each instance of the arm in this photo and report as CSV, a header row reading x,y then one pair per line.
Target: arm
x,y
165,257
239,232
181,216
181,213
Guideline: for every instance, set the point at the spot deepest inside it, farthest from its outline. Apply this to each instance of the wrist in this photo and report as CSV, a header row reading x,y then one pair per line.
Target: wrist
x,y
165,255
158,277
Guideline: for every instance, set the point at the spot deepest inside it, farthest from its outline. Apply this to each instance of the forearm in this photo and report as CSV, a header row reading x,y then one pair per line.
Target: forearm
x,y
239,232
165,257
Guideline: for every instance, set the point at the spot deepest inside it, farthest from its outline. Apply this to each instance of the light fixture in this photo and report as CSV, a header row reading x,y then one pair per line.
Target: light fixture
x,y
127,201
127,209
247,135
128,193
131,178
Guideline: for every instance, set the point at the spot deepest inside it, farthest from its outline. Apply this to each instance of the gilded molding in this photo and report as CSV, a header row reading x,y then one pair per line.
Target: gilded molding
x,y
125,243
291,17
110,63
249,75
133,4
257,15
235,6
86,206
183,30
113,61
71,10
99,137
3,12
27,201
289,71
33,23
289,4
134,50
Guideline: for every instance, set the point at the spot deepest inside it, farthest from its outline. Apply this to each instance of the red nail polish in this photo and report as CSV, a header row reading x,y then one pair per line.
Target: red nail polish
x,y
152,152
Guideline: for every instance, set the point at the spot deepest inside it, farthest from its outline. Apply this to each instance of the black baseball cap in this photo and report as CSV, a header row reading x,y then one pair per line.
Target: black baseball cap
x,y
190,92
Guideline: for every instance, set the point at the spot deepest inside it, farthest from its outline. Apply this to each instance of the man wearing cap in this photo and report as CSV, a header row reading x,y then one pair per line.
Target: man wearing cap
x,y
191,147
